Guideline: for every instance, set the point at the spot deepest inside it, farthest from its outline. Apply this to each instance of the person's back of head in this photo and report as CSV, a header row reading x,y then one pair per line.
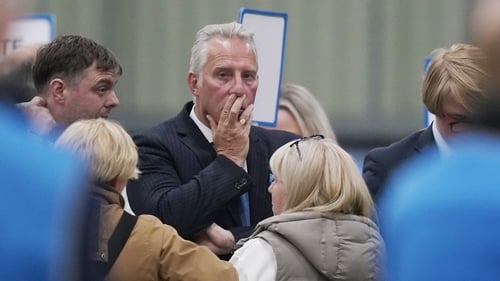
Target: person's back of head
x,y
320,176
109,150
67,56
306,110
112,159
460,73
15,70
484,29
438,215
487,118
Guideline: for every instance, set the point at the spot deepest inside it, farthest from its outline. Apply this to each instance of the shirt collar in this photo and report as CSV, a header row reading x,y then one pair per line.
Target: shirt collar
x,y
206,131
443,147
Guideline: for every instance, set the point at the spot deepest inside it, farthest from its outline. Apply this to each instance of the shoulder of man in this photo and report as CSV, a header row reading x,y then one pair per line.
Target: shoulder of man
x,y
398,150
274,137
180,122
155,132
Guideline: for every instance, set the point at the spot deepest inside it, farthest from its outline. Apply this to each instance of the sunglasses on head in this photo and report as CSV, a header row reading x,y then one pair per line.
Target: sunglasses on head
x,y
296,143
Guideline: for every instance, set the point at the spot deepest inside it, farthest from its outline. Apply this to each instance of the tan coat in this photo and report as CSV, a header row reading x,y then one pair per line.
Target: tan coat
x,y
154,250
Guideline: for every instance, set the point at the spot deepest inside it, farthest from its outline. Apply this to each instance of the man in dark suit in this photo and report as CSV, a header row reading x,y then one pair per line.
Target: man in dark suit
x,y
381,161
454,85
206,171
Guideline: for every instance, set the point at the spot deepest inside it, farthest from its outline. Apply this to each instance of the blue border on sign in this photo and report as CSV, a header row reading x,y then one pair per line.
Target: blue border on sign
x,y
50,18
427,62
283,15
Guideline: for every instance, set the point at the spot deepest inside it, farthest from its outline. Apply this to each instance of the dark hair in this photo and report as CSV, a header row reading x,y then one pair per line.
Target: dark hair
x,y
68,56
16,76
18,83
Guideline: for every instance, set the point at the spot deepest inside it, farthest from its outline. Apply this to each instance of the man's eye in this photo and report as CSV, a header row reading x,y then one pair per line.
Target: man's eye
x,y
249,76
223,74
102,90
457,117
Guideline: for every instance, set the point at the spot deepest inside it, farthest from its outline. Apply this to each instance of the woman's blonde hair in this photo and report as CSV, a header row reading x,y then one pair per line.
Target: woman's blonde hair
x,y
105,145
320,176
460,73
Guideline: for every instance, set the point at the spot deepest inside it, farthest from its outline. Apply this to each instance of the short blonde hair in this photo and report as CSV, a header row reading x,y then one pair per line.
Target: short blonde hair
x,y
459,73
306,109
105,145
323,178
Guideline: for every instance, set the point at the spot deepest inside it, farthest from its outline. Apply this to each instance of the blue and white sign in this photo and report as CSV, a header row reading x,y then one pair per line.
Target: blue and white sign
x,y
269,28
33,29
428,117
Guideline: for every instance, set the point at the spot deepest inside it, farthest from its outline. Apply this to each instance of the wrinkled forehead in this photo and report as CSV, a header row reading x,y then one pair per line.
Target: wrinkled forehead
x,y
235,50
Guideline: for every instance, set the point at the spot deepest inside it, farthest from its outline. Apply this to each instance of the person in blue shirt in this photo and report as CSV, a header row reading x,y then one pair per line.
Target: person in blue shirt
x,y
39,210
438,215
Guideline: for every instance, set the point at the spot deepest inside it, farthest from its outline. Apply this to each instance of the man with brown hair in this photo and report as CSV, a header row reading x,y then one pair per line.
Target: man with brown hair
x,y
75,78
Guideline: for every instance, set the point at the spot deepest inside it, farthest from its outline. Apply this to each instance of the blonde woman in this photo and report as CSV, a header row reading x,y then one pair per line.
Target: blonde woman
x,y
150,250
322,228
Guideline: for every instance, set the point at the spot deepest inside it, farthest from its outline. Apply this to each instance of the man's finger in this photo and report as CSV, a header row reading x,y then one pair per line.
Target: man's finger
x,y
228,105
237,107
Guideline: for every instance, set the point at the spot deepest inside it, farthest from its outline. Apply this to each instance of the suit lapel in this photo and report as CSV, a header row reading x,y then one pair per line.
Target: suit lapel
x,y
257,164
192,137
425,140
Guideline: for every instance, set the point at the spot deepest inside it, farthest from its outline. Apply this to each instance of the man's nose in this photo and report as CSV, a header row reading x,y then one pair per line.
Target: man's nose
x,y
113,100
269,188
238,87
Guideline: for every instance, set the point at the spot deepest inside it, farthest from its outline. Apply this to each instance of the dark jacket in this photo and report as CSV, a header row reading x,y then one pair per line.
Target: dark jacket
x,y
381,162
185,184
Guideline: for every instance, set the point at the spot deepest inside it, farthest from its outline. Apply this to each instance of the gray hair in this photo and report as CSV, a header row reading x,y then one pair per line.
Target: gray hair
x,y
199,50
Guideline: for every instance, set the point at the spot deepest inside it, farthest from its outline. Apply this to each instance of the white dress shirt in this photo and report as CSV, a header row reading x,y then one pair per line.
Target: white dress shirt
x,y
249,267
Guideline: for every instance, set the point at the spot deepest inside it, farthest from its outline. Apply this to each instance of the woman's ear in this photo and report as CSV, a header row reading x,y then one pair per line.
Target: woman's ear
x,y
118,184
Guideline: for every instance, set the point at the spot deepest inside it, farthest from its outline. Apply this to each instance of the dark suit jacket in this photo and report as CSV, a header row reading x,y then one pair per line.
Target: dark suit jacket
x,y
188,186
380,162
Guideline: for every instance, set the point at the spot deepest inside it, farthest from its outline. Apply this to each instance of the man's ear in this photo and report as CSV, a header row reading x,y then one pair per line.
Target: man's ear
x,y
192,80
56,90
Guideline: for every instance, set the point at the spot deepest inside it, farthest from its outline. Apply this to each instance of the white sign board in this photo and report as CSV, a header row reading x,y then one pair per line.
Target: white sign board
x,y
34,29
269,30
